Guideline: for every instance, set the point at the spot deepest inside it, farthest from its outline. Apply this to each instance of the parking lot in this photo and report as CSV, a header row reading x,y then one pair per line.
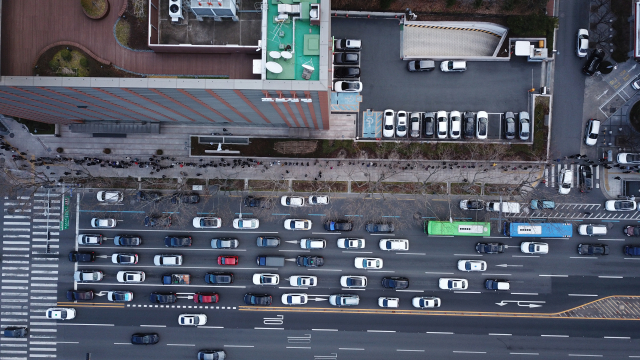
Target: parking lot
x,y
491,86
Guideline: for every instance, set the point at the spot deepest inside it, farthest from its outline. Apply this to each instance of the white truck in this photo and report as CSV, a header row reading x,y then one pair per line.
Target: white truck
x,y
505,207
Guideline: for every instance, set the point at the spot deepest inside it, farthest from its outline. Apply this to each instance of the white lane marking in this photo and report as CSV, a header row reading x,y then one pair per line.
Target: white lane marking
x,y
467,292
585,355
210,327
349,289
409,350
440,332
324,329
265,328
499,334
563,336
524,354
418,291
403,253
469,352
618,337
497,274
526,256
582,295
239,346
381,271
555,275
162,326
467,254
357,252
181,344
298,347
582,257
382,331
78,324
610,277
323,270
524,293
438,273
611,239
350,348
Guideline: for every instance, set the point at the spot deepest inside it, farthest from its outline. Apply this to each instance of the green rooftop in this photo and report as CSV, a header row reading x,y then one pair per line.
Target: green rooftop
x,y
304,44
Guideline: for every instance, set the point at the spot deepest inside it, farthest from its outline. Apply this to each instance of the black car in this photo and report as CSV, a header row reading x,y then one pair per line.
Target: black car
x,y
83,295
177,241
256,299
421,65
429,124
15,332
632,230
157,220
346,58
472,204
490,248
148,196
585,178
268,241
127,240
218,278
160,298
309,261
379,228
346,72
251,201
395,282
468,125
77,256
211,355
145,339
338,225
593,62
593,249
185,199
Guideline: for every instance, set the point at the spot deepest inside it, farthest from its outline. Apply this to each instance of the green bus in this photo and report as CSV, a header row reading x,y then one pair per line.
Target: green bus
x,y
457,228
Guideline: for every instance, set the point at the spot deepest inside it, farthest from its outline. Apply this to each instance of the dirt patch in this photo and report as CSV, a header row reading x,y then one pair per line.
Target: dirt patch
x,y
93,68
296,147
138,27
501,189
465,189
388,187
267,185
227,184
319,186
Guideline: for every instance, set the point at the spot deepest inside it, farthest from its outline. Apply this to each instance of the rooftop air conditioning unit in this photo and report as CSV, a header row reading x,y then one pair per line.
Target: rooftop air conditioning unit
x,y
175,10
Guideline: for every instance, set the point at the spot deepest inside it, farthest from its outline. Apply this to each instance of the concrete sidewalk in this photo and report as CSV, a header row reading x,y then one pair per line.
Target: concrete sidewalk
x,y
175,147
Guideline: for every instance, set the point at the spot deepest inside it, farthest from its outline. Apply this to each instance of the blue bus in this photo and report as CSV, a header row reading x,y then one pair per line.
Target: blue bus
x,y
547,230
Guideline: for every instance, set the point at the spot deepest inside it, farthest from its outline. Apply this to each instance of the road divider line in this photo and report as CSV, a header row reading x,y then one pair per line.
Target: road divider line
x,y
497,274
409,350
524,354
610,277
583,257
181,344
467,254
467,292
358,252
351,349
438,273
239,346
324,329
561,336
298,347
611,239
618,337
381,331
440,332
469,352
211,327
417,291
524,293
76,324
400,253
554,275
494,334
588,355
582,295
160,326
266,328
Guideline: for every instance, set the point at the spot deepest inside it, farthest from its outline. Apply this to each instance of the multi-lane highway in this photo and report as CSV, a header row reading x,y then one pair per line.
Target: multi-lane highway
x,y
529,319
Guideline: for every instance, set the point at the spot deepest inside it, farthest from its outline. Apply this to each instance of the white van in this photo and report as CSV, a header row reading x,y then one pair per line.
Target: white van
x,y
507,207
592,229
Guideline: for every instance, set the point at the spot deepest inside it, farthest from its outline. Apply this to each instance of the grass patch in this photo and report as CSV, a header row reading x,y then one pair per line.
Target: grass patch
x,y
123,31
36,127
539,25
94,8
319,186
465,189
49,63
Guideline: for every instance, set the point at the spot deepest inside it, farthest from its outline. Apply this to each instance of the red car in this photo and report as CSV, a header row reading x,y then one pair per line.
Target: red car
x,y
227,260
205,298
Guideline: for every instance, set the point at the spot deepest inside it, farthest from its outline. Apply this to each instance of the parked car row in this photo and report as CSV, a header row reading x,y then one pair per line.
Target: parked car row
x,y
346,60
453,125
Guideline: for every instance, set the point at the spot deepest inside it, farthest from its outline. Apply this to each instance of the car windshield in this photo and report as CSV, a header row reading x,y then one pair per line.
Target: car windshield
x,y
402,128
532,247
633,158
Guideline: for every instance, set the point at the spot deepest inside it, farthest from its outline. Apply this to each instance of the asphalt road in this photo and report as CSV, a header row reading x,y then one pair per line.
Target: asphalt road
x,y
569,84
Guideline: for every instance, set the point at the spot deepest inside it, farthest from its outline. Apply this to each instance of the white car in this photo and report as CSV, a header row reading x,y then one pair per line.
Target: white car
x,y
84,276
591,132
313,243
130,276
592,229
89,239
303,280
61,313
453,66
353,281
192,319
482,125
292,201
351,243
421,302
294,299
620,205
297,224
628,158
583,43
110,196
456,124
167,260
388,302
207,222
368,263
453,284
387,127
401,128
565,180
120,296
472,265
443,124
124,258
394,244
266,279
242,224
318,200
530,247
348,86
103,223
